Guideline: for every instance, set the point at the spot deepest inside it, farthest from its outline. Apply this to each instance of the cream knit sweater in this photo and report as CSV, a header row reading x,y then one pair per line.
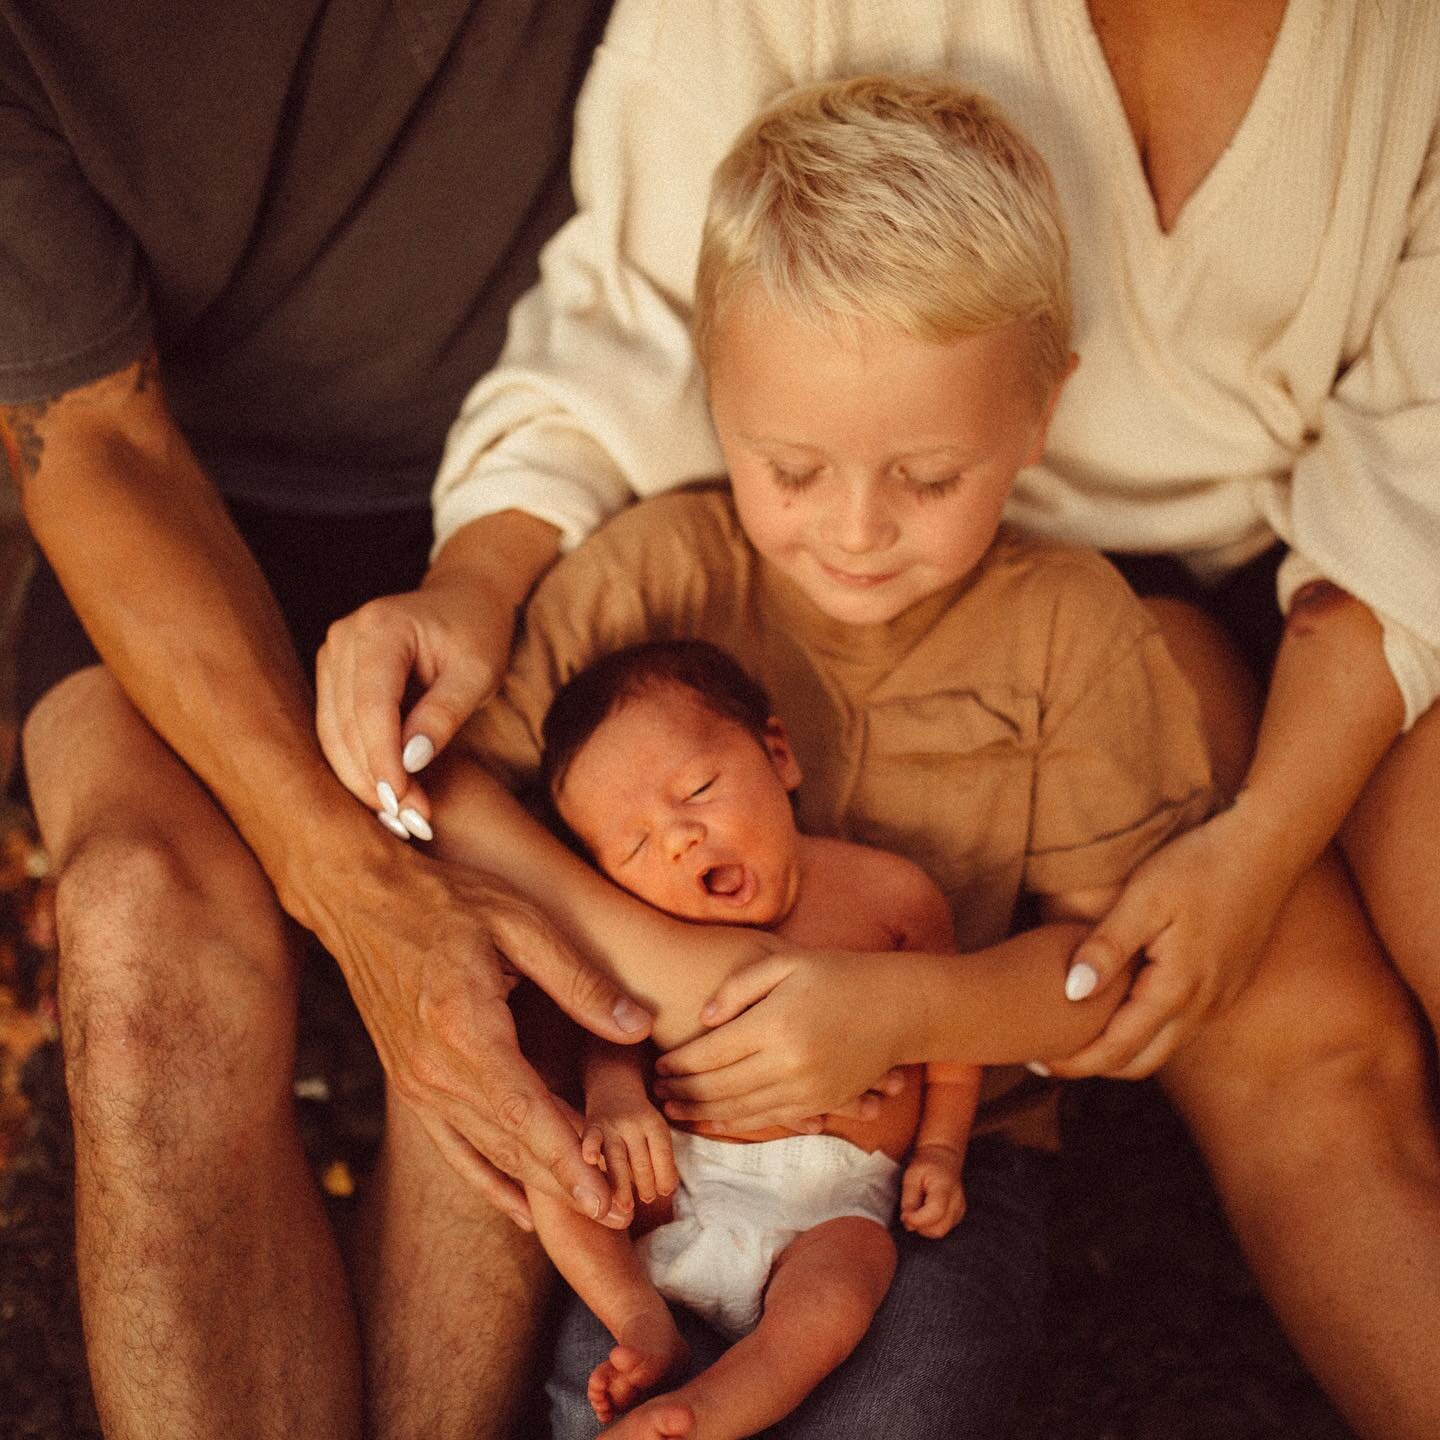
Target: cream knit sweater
x,y
1271,366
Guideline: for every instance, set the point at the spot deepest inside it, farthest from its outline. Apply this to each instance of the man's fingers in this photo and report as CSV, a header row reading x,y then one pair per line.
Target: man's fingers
x,y
476,1170
537,949
542,1146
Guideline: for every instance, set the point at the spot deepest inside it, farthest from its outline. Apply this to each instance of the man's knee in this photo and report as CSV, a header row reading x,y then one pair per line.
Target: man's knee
x,y
155,997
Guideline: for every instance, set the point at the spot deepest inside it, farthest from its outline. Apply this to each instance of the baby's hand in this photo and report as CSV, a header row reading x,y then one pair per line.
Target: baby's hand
x,y
931,1197
632,1138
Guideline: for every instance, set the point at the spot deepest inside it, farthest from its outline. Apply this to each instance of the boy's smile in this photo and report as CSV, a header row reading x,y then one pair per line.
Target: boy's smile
x,y
872,468
688,810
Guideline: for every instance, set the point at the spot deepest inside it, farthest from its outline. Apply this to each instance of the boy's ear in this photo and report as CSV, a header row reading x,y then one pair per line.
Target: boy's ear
x,y
1037,447
782,757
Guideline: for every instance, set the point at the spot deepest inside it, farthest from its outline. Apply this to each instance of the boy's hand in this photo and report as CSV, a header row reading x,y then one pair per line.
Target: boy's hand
x,y
632,1138
932,1199
1200,910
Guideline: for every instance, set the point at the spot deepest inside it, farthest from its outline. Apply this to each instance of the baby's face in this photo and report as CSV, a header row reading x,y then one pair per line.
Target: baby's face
x,y
872,470
688,810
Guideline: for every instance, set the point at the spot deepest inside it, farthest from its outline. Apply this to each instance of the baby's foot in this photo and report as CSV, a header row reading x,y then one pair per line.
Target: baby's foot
x,y
650,1350
654,1420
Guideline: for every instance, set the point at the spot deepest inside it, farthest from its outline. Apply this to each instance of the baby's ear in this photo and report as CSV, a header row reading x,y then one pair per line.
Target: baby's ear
x,y
782,757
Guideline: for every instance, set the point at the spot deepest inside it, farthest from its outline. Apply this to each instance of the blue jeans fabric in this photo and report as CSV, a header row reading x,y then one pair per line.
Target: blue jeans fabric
x,y
943,1356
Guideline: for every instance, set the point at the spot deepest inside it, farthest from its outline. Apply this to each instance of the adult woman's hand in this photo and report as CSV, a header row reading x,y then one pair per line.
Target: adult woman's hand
x,y
795,1035
1199,911
450,639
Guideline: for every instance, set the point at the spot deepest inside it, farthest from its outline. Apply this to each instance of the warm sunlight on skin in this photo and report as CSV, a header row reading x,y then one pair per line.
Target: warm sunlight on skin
x,y
688,810
872,469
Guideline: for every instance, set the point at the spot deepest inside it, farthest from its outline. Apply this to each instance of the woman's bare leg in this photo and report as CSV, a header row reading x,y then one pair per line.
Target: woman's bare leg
x,y
1392,843
1308,1098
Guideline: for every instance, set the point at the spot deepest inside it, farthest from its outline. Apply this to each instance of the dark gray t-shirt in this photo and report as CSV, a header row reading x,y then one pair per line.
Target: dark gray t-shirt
x,y
318,211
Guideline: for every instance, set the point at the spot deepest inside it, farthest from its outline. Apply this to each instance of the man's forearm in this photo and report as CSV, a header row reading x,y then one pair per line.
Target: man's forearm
x,y
183,618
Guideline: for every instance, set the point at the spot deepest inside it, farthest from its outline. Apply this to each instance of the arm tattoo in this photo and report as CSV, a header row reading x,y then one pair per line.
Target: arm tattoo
x,y
20,441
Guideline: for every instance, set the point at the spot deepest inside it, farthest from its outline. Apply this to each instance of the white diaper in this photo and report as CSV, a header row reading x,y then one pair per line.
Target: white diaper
x,y
738,1206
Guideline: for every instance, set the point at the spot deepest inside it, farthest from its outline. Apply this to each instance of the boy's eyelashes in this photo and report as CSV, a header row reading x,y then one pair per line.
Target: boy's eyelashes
x,y
701,789
926,487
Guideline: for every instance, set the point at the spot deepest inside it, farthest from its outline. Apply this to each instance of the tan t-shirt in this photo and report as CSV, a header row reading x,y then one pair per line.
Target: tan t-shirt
x,y
1024,731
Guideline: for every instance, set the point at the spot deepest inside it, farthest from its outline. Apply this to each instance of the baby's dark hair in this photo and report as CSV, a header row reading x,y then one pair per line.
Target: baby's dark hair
x,y
589,697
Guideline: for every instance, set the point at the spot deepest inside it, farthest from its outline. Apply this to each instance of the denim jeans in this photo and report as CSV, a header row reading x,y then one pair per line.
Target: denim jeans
x,y
944,1352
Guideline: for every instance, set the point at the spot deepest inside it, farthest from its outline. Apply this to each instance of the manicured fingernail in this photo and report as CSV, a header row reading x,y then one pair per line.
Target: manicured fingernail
x,y
419,751
629,1016
1081,981
416,824
386,791
392,825
1038,1067
590,1202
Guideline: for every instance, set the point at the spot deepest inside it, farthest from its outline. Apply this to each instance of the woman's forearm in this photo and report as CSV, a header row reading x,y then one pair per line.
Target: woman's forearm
x,y
1005,1004
1332,712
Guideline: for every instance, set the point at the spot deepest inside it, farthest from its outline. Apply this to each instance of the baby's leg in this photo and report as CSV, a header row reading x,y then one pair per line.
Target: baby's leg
x,y
823,1292
603,1269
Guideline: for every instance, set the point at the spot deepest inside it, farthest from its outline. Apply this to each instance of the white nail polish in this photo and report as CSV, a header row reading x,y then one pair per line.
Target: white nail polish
x,y
418,753
386,791
1081,981
1038,1067
392,824
416,824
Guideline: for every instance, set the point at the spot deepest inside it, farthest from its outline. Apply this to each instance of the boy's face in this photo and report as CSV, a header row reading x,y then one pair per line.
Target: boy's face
x,y
688,810
872,470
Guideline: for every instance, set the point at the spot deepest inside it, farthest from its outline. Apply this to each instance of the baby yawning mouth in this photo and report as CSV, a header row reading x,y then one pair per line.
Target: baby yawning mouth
x,y
723,879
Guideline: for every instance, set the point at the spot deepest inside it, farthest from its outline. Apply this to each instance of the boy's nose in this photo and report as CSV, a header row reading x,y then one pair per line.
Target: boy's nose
x,y
862,523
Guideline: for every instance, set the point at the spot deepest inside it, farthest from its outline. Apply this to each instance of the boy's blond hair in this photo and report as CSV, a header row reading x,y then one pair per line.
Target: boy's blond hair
x,y
902,200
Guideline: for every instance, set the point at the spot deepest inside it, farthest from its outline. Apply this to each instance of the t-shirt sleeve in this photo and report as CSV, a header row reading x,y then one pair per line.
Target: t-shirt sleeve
x,y
1121,764
1363,505
72,286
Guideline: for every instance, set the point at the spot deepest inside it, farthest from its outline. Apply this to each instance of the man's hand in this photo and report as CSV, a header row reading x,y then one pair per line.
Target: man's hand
x,y
431,953
1200,911
817,1030
450,639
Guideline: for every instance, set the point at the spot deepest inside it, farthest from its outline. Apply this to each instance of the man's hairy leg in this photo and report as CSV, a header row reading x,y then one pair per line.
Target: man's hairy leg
x,y
452,1296
212,1293
1309,1099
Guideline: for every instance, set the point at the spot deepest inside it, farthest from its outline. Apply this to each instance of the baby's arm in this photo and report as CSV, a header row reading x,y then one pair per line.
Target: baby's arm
x,y
931,1197
623,1126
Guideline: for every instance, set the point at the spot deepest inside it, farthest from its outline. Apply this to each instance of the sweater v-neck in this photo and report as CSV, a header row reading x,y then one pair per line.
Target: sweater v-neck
x,y
1231,167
